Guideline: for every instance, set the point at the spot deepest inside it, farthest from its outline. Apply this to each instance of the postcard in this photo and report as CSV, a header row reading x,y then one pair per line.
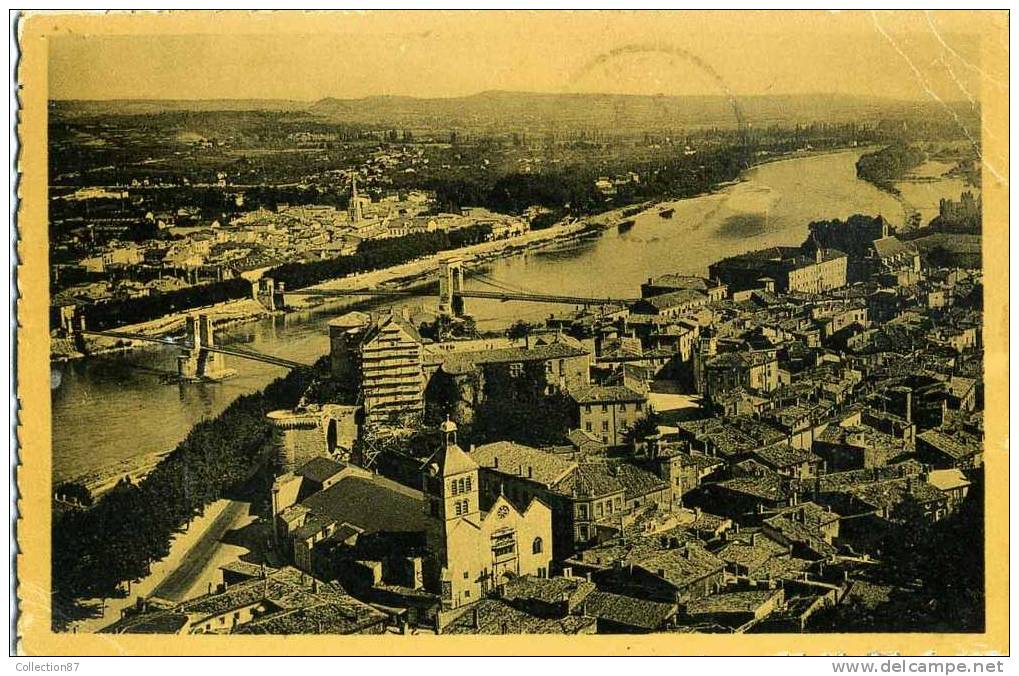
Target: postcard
x,y
513,332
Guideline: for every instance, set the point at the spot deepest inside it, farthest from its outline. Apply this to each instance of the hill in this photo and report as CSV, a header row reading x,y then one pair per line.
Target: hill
x,y
542,112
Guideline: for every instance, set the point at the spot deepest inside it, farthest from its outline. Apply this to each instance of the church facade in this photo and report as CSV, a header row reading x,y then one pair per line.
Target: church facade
x,y
478,551
332,517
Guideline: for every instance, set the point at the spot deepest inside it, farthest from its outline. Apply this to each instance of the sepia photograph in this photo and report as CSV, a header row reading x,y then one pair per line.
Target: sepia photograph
x,y
659,328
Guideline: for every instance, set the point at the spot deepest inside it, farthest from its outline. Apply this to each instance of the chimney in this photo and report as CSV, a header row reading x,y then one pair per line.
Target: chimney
x,y
753,539
476,618
530,472
496,461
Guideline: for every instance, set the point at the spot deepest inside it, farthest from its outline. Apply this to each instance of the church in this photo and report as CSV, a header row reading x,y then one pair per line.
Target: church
x,y
478,551
339,521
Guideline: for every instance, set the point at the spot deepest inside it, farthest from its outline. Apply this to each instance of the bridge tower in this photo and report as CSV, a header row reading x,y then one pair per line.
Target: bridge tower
x,y
198,363
270,293
72,325
451,282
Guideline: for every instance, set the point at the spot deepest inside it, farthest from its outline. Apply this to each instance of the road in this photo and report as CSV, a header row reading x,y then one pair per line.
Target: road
x,y
193,565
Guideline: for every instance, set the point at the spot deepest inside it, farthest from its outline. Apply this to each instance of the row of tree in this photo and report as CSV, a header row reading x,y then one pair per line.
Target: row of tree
x,y
113,313
377,254
371,255
572,189
130,527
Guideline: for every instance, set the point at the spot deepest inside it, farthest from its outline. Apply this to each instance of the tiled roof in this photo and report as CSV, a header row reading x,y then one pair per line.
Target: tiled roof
x,y
348,616
351,320
678,281
601,394
888,247
731,602
593,479
320,469
584,439
150,622
464,362
498,617
679,298
835,482
767,488
784,456
371,504
638,482
888,494
868,594
683,565
949,445
547,590
523,461
947,479
625,610
706,522
747,555
802,524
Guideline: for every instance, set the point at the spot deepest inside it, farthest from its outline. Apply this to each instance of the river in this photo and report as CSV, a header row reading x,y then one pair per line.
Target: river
x,y
110,412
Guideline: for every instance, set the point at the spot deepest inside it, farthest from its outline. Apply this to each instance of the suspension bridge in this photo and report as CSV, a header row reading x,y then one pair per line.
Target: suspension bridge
x,y
202,359
452,292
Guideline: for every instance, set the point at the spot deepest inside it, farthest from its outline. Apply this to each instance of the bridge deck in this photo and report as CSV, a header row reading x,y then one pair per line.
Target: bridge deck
x,y
187,345
495,295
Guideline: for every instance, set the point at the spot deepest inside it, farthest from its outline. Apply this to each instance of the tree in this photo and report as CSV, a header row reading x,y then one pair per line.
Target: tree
x,y
519,330
519,407
645,426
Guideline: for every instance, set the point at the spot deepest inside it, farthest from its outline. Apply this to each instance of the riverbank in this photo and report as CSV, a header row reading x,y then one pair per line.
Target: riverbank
x,y
421,273
413,275
142,414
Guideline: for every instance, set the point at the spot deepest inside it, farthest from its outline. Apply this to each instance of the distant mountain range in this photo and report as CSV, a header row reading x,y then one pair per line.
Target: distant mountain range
x,y
537,112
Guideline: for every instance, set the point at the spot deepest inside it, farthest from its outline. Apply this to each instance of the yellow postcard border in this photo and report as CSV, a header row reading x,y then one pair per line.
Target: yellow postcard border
x,y
34,479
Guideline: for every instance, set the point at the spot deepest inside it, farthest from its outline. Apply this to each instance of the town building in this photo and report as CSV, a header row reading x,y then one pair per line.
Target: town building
x,y
790,268
370,532
380,358
609,412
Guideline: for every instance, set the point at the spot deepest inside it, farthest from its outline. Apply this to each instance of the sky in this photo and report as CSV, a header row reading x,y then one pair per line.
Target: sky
x,y
307,56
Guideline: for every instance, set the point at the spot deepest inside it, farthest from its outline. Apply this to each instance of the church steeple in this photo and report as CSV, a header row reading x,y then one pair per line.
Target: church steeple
x,y
448,429
355,208
455,482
